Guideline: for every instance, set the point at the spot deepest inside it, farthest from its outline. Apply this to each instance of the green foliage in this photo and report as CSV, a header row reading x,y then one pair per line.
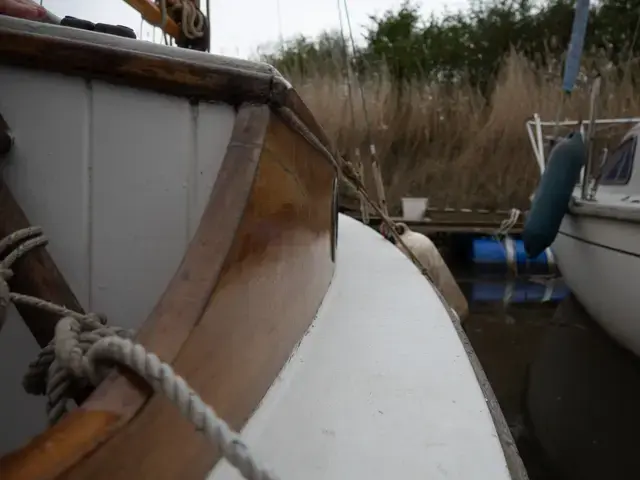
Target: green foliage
x,y
304,56
467,45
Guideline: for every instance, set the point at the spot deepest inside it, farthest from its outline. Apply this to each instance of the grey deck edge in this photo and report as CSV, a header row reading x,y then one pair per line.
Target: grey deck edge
x,y
515,465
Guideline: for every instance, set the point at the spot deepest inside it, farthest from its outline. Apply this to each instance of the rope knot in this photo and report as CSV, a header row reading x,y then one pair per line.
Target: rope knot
x,y
65,365
84,348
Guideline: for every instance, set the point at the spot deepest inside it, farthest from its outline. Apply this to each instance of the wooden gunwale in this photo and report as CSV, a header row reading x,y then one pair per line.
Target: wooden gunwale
x,y
159,73
121,397
210,82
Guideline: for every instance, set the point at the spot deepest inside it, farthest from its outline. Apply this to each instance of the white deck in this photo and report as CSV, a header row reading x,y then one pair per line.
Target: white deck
x,y
380,387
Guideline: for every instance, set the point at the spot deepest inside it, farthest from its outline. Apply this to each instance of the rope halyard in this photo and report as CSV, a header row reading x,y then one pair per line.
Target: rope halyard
x,y
351,175
83,351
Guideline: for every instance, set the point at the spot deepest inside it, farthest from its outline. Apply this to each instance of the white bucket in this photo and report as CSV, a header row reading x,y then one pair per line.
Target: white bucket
x,y
414,208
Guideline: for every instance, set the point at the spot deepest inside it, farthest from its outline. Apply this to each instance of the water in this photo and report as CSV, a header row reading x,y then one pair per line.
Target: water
x,y
570,395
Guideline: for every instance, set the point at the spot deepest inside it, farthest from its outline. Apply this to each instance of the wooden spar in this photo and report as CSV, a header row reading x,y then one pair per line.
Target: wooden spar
x,y
35,274
152,14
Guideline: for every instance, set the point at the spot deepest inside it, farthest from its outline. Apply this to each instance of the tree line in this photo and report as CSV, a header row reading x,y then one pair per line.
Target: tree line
x,y
467,45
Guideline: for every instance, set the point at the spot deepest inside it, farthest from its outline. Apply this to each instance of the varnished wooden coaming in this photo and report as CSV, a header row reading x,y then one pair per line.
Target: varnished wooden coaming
x,y
273,280
246,291
248,288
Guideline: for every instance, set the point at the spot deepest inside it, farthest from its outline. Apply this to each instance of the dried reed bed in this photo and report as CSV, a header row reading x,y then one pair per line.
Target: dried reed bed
x,y
452,145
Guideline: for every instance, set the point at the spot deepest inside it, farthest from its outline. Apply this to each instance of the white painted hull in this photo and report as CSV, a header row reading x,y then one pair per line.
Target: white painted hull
x,y
380,387
600,262
118,178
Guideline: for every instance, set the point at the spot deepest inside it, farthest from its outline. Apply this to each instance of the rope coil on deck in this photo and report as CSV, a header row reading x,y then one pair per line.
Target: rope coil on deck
x,y
61,367
83,351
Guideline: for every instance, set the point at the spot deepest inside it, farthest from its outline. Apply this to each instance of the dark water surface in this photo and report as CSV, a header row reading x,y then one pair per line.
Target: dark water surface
x,y
570,395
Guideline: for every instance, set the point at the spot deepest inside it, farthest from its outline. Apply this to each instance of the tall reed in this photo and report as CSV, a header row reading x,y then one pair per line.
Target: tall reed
x,y
454,145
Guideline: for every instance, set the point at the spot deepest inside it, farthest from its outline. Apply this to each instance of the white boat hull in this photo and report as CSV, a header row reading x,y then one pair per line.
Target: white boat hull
x,y
380,387
90,184
600,261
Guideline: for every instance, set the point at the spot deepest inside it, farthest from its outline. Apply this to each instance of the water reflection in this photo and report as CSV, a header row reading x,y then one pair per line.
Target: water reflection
x,y
582,400
513,290
570,395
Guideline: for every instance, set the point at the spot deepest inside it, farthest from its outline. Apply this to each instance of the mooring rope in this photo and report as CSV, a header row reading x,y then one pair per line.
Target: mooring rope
x,y
83,351
507,224
25,235
359,167
350,174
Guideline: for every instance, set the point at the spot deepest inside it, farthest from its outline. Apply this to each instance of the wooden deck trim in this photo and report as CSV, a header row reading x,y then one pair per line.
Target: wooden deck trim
x,y
119,398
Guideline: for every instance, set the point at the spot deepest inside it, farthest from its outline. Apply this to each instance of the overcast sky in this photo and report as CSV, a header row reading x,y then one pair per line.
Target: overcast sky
x,y
239,27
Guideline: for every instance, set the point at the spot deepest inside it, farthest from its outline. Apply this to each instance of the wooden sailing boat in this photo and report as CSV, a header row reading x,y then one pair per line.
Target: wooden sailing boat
x,y
192,198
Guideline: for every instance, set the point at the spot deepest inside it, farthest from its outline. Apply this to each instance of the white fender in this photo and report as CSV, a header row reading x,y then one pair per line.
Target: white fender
x,y
429,256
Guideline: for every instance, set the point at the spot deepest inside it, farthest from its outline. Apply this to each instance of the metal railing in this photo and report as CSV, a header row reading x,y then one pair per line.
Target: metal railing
x,y
535,131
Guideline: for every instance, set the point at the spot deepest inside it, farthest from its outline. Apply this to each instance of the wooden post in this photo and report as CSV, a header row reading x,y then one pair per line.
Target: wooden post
x,y
372,179
377,176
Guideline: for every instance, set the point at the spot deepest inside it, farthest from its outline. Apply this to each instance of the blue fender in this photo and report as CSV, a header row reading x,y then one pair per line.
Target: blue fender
x,y
553,194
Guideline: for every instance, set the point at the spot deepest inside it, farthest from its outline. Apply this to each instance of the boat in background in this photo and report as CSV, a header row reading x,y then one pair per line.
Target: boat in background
x,y
192,199
597,246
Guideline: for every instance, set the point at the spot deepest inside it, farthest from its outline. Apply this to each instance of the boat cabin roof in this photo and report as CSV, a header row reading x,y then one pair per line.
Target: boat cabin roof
x,y
141,64
134,45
